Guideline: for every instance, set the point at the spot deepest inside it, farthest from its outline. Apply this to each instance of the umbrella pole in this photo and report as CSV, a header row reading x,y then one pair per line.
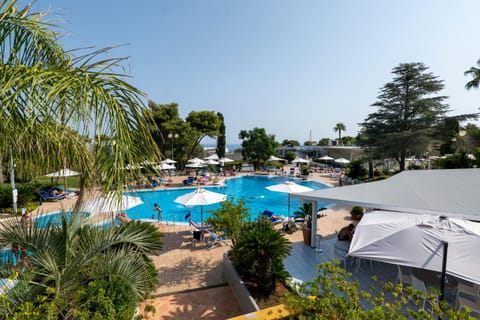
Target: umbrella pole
x,y
443,278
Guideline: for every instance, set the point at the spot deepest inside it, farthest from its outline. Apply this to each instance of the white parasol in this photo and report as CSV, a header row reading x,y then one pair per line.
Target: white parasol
x,y
169,161
342,161
110,204
212,157
200,197
64,173
289,187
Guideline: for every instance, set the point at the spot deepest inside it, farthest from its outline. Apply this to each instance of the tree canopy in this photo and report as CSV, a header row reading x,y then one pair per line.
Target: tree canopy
x,y
409,111
55,106
339,127
257,145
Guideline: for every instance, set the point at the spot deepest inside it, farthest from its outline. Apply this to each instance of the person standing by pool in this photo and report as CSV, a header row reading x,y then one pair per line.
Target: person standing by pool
x,y
159,211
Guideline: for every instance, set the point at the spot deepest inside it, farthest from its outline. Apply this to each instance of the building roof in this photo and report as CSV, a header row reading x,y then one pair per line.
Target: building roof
x,y
452,192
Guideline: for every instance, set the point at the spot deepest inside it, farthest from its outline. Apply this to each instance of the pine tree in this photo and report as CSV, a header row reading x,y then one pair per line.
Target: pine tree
x,y
409,110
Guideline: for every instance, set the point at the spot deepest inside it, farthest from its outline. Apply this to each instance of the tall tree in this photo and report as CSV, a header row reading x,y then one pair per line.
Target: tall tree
x,y
202,124
50,99
257,145
167,121
409,109
221,140
339,127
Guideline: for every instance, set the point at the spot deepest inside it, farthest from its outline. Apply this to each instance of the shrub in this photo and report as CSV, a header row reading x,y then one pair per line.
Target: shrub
x,y
333,295
259,253
356,213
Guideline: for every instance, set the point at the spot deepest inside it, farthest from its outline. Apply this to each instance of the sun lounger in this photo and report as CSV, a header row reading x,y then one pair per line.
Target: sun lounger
x,y
274,219
44,196
199,226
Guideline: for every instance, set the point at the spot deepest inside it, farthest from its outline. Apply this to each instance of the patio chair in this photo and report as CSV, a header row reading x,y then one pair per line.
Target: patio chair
x,y
214,240
468,290
199,226
474,306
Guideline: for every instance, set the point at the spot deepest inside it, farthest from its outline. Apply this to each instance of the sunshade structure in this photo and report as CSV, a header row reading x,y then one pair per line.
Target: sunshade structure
x,y
273,158
165,166
64,173
342,161
326,158
417,241
452,193
169,161
200,197
196,160
224,160
289,187
212,162
110,204
300,160
212,157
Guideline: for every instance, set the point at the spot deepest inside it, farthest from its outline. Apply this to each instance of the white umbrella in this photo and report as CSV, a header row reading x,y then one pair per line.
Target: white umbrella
x,y
225,159
300,160
212,157
165,166
195,165
64,173
342,161
196,160
110,204
418,241
200,197
212,162
289,187
169,161
326,158
273,158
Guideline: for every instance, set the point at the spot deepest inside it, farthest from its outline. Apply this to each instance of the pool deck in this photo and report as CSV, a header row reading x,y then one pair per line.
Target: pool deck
x,y
191,284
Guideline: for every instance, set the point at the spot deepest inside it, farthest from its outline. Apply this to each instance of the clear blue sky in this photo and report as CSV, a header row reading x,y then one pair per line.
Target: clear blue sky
x,y
286,66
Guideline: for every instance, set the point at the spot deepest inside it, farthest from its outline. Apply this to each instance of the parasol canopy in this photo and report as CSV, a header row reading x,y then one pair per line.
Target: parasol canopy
x,y
289,187
200,197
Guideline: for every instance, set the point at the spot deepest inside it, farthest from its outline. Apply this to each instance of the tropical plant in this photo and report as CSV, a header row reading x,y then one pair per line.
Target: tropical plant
x,y
305,170
51,100
356,213
58,262
305,211
334,295
339,127
230,218
259,252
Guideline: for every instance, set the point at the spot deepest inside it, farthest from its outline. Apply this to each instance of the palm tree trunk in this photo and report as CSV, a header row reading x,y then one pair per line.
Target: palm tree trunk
x,y
2,179
265,275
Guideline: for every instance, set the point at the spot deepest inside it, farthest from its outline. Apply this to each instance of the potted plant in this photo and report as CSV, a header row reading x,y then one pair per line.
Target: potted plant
x,y
305,171
356,213
305,211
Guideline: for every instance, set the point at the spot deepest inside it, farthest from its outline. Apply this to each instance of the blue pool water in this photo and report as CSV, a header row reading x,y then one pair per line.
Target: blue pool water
x,y
252,189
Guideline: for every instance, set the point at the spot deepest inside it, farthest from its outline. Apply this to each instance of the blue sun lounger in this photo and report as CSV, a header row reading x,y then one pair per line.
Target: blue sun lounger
x,y
273,219
45,196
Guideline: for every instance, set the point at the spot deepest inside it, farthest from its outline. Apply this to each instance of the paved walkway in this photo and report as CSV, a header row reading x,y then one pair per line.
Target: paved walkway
x,y
191,280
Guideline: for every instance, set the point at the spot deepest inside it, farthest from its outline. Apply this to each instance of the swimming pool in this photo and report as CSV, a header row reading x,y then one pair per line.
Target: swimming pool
x,y
252,189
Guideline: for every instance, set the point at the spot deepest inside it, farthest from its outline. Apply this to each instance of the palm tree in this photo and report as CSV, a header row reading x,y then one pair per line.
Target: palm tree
x,y
262,247
56,107
339,127
475,73
63,258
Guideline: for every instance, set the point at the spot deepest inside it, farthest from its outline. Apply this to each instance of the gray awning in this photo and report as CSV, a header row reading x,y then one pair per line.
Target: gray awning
x,y
453,193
